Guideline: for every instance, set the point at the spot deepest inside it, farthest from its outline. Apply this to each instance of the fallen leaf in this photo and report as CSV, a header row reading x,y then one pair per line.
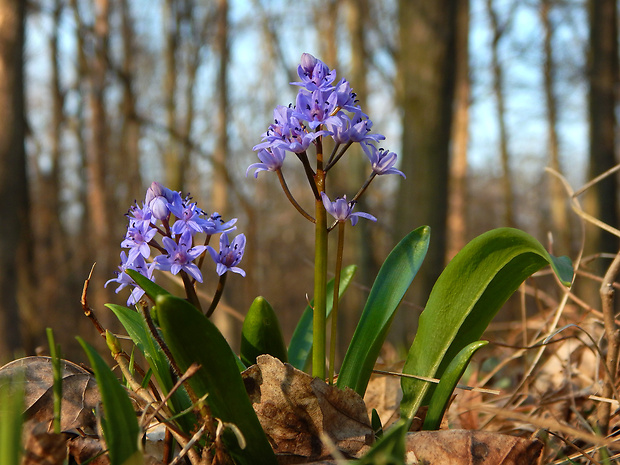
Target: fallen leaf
x,y
465,447
294,409
88,450
44,448
80,395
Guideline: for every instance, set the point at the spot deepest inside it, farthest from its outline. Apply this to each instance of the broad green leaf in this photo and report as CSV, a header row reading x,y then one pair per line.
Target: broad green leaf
x,y
261,333
11,418
192,338
447,383
467,295
138,331
393,280
152,290
389,448
300,347
120,427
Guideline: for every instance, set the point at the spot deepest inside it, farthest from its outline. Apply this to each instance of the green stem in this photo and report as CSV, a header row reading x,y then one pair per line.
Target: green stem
x,y
320,273
334,316
57,377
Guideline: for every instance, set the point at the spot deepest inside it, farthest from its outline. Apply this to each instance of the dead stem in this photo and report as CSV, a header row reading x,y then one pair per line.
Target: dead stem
x,y
611,333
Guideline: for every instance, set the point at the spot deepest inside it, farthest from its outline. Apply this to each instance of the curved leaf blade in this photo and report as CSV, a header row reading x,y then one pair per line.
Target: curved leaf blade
x,y
445,388
300,347
192,338
120,427
393,280
261,333
467,295
139,333
152,290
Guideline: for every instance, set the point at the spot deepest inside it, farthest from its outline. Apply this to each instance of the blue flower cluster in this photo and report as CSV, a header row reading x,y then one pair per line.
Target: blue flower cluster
x,y
322,108
177,220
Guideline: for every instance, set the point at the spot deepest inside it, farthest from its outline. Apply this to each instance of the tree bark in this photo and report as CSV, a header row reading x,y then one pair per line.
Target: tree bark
x,y
498,90
426,65
602,201
557,195
457,208
14,227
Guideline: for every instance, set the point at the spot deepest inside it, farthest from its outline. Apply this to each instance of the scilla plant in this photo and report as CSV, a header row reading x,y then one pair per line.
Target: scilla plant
x,y
210,408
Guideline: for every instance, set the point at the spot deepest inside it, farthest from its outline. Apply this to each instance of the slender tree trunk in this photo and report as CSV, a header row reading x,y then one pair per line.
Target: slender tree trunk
x,y
426,66
603,78
362,237
129,151
173,173
457,210
559,214
14,227
99,196
219,193
498,90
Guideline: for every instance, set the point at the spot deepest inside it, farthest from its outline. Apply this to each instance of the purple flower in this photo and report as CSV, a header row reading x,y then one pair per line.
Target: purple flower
x,y
123,279
215,224
272,160
137,240
342,210
137,216
353,129
288,132
157,199
188,218
230,254
180,256
314,74
345,97
317,108
382,161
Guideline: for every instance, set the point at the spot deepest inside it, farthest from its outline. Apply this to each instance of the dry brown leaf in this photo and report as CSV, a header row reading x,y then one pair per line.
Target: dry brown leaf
x,y
384,394
294,409
44,448
464,447
80,395
84,449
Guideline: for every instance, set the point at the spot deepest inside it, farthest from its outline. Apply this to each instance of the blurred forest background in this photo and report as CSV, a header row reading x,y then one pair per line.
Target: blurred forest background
x,y
98,98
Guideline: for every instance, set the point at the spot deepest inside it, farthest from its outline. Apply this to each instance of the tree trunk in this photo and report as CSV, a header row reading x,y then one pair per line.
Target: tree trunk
x,y
498,90
14,227
173,172
558,199
457,209
426,68
603,78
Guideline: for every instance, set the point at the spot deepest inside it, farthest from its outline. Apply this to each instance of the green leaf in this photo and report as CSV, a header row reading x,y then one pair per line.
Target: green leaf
x,y
467,295
393,280
138,331
120,427
152,290
192,338
447,383
300,347
261,333
11,418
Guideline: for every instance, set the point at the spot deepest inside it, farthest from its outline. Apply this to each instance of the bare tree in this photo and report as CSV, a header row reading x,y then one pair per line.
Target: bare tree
x,y
498,30
426,64
14,227
457,210
602,202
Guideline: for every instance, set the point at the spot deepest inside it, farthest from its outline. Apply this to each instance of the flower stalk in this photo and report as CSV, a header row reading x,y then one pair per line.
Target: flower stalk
x,y
334,315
